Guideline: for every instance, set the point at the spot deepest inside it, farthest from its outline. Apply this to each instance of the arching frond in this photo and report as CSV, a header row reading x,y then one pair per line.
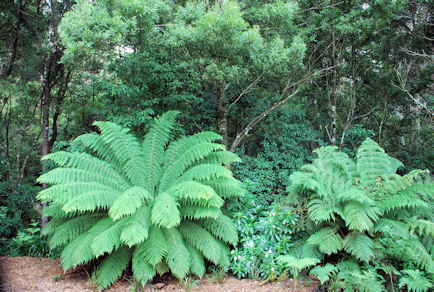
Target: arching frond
x,y
77,252
360,246
142,271
360,217
136,227
112,266
323,273
128,202
153,249
223,228
327,240
165,211
299,264
106,236
415,281
154,145
178,257
197,262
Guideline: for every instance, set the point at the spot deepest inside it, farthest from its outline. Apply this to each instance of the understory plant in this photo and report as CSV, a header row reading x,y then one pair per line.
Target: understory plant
x,y
153,204
266,232
372,226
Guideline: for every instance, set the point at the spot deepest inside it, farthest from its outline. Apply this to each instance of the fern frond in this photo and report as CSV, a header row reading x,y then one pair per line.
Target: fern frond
x,y
360,246
154,145
197,193
178,256
388,226
420,226
223,228
185,160
323,273
202,240
71,229
204,172
415,281
142,271
298,264
165,211
366,281
77,252
178,147
323,210
420,256
401,201
126,149
128,202
90,201
189,211
136,227
106,236
221,158
153,249
374,163
197,262
360,217
226,187
87,162
112,266
327,240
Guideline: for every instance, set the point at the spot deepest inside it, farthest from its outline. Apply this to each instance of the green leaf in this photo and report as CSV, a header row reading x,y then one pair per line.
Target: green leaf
x,y
165,211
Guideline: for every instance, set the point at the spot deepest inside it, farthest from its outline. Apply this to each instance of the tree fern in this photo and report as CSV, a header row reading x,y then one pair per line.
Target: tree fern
x,y
364,211
156,203
323,273
415,281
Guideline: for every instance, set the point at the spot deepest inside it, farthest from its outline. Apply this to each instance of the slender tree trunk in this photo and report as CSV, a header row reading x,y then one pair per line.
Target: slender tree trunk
x,y
333,97
222,115
16,39
45,149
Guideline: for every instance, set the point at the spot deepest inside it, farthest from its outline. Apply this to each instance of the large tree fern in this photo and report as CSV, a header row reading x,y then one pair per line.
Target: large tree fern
x,y
154,203
363,210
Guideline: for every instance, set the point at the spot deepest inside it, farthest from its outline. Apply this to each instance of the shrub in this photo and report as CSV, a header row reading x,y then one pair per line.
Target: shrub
x,y
265,233
371,223
153,203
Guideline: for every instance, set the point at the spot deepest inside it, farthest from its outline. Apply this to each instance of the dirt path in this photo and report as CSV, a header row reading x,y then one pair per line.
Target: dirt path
x,y
40,274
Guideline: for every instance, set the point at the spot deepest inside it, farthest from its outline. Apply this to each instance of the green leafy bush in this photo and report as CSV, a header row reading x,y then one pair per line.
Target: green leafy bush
x,y
375,223
153,203
265,233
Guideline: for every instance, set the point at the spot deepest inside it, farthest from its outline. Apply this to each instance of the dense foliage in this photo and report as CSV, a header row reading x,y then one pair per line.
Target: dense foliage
x,y
151,202
365,221
275,79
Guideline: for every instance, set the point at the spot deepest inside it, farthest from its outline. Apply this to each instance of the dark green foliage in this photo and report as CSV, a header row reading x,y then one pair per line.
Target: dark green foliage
x,y
151,202
266,232
362,210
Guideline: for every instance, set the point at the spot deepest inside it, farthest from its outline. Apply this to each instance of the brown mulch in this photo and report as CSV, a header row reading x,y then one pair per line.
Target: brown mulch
x,y
42,274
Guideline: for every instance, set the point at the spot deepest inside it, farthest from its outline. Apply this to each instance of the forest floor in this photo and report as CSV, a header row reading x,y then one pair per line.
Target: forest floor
x,y
42,274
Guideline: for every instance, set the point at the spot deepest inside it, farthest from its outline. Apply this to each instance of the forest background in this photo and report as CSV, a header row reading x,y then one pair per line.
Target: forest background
x,y
276,79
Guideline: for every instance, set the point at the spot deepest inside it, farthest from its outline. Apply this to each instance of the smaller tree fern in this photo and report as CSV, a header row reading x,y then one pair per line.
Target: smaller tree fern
x,y
362,210
152,204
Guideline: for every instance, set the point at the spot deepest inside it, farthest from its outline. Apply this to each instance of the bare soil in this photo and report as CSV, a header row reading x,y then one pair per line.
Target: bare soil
x,y
42,274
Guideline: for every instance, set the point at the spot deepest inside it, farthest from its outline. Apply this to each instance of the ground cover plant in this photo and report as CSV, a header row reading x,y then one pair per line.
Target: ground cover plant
x,y
153,203
369,227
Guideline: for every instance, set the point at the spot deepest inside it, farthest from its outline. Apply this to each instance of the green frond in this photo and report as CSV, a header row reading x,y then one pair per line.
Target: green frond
x,y
226,187
401,201
136,227
331,154
106,236
176,148
142,271
298,264
178,256
72,228
112,266
327,240
62,193
360,217
202,240
95,142
225,252
204,172
77,252
359,245
324,210
52,225
415,280
366,281
355,194
304,179
389,226
55,211
153,147
197,262
153,249
69,175
87,162
185,160
128,202
420,256
223,228
196,212
196,193
127,151
90,201
420,226
165,211
323,273
374,163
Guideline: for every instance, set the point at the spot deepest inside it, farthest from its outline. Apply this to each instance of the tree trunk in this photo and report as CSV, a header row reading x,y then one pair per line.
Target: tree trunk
x,y
222,115
15,42
45,149
333,98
